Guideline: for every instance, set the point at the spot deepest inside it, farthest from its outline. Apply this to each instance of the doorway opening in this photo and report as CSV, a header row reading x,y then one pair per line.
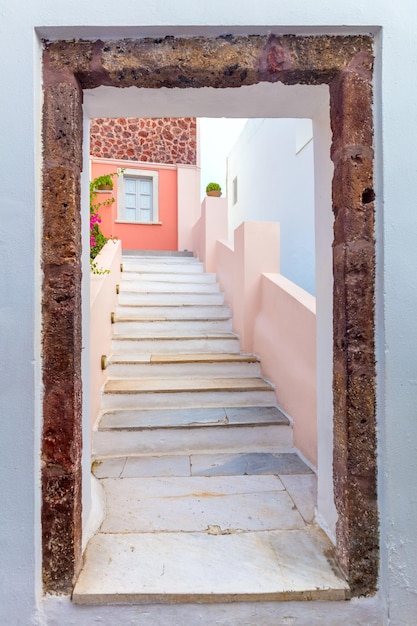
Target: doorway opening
x,y
175,68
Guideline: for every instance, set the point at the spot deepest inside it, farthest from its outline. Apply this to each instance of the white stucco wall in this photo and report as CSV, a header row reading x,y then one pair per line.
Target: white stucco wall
x,y
396,111
275,182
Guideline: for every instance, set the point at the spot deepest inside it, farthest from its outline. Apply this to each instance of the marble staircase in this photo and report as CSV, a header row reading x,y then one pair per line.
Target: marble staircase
x,y
206,498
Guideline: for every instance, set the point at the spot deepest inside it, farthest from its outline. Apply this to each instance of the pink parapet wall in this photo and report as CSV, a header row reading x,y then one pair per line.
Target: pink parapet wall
x,y
275,319
256,251
103,300
285,340
211,226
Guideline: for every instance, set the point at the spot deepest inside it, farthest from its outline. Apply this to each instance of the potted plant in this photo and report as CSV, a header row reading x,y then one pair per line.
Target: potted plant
x,y
104,183
214,189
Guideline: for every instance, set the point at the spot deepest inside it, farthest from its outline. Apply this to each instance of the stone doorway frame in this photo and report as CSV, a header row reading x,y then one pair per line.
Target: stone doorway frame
x,y
345,63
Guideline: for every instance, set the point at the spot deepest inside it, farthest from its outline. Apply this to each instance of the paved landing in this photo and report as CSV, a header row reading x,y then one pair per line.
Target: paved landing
x,y
168,538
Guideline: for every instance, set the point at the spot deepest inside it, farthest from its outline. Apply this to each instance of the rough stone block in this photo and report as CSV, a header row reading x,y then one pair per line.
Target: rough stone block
x,y
62,124
351,111
62,434
62,218
353,324
61,529
353,198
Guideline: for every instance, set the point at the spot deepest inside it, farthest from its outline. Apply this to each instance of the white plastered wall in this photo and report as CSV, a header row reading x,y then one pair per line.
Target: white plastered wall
x,y
21,278
275,182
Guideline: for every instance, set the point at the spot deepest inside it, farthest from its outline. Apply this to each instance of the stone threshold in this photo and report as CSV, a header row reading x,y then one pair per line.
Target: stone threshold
x,y
172,568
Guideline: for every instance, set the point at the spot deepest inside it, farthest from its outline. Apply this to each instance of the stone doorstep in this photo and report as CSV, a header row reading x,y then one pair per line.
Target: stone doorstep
x,y
143,568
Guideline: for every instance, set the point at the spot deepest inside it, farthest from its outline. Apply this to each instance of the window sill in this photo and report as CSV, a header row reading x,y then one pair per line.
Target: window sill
x,y
138,223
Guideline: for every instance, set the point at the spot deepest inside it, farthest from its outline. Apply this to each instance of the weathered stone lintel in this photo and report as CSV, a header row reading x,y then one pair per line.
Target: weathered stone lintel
x,y
188,62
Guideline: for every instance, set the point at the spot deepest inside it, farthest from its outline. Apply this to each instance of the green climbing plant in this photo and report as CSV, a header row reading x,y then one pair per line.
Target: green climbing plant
x,y
97,238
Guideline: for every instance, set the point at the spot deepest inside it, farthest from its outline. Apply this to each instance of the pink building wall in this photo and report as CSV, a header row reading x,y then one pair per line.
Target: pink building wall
x,y
165,145
162,235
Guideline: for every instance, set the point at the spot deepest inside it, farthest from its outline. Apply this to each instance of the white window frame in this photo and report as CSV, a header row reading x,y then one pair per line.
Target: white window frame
x,y
137,173
234,183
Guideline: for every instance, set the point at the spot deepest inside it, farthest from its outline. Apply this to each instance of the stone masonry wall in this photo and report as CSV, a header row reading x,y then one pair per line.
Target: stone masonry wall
x,y
159,140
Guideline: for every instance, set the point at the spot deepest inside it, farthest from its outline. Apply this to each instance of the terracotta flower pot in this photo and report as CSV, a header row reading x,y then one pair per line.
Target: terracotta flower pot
x,y
214,194
105,187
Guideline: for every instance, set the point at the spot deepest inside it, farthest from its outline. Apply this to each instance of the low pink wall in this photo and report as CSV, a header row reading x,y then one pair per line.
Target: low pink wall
x,y
103,300
211,226
275,319
188,190
225,269
256,251
285,340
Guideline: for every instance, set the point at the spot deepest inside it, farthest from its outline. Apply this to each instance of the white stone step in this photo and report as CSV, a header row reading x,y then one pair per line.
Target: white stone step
x,y
162,441
168,298
127,432
179,311
287,465
148,286
191,278
191,365
180,393
137,326
162,265
185,344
